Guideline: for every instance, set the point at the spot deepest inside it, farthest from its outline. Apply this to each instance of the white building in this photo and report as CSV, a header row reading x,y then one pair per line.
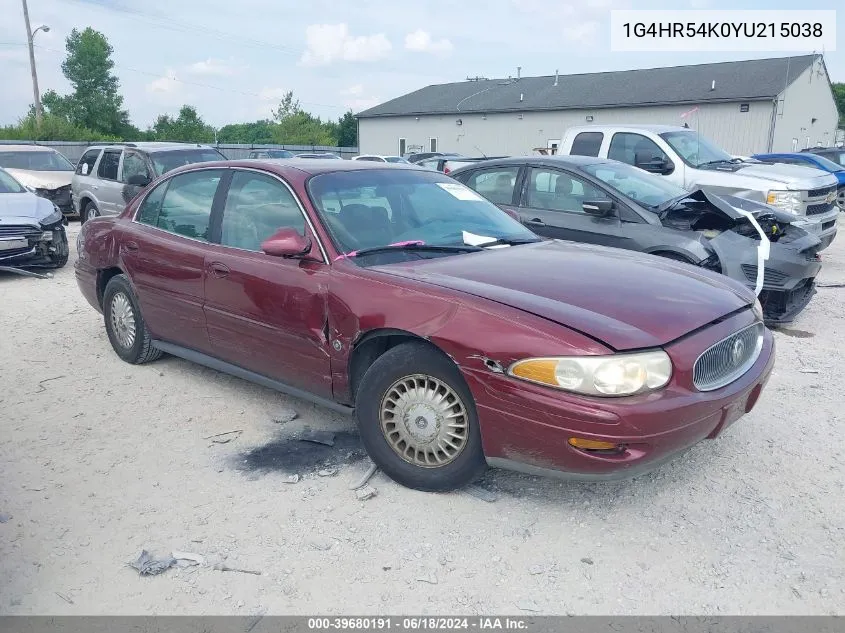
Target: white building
x,y
761,105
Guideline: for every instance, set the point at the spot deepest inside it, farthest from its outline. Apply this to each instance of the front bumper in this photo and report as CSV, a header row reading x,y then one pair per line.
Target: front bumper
x,y
824,225
61,197
33,247
527,427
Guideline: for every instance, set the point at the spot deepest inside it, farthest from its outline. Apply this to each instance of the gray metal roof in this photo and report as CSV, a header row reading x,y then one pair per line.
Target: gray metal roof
x,y
747,80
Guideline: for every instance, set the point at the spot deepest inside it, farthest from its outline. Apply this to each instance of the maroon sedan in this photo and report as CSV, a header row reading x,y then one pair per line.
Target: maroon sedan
x,y
458,337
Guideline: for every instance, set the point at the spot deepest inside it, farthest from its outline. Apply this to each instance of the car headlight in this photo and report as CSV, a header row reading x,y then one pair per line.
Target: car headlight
x,y
613,375
758,309
55,216
789,201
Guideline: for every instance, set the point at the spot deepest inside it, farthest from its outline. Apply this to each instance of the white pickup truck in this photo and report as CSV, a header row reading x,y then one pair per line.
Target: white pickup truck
x,y
693,162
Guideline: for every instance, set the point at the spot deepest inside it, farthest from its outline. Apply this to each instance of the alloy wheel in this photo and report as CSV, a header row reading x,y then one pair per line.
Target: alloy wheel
x,y
123,320
424,421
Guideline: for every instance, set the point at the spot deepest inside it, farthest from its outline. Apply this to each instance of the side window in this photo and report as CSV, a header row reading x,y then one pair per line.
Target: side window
x,y
587,144
495,184
86,163
257,206
150,207
134,165
558,191
625,147
186,207
108,164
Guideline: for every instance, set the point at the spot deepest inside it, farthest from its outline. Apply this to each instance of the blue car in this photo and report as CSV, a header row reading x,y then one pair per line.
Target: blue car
x,y
809,159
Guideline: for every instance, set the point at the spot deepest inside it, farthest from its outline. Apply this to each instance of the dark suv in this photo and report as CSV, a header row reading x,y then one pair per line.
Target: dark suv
x,y
107,177
270,153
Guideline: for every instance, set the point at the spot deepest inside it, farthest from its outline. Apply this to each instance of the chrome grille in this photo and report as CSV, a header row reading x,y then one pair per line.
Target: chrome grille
x,y
19,230
818,193
728,359
818,209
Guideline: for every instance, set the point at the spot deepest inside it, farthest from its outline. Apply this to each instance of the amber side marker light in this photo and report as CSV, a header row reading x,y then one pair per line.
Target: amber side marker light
x,y
595,445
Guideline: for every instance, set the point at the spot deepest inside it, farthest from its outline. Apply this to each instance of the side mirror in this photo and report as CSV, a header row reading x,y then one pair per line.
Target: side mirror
x,y
654,164
286,243
599,208
138,180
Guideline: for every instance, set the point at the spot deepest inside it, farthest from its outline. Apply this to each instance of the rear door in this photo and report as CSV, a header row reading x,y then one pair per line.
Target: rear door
x,y
109,187
552,205
497,184
266,314
163,251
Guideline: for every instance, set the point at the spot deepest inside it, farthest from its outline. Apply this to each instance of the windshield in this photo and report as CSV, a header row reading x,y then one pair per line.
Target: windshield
x,y
35,161
694,149
647,189
168,161
9,184
382,207
826,163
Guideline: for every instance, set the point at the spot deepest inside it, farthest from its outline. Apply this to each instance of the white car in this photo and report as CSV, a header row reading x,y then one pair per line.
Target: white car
x,y
42,170
376,158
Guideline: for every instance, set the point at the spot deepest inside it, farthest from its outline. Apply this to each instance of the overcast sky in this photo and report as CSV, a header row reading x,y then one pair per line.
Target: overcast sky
x,y
234,59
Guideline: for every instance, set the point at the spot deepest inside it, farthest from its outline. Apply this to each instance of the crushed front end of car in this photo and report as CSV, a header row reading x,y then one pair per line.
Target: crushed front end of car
x,y
790,271
34,244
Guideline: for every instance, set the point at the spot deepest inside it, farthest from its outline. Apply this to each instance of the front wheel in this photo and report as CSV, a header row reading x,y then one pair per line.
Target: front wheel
x,y
125,326
89,213
418,421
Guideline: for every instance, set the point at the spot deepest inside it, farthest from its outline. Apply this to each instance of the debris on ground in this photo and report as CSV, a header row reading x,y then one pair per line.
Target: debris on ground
x,y
318,437
327,472
291,479
536,570
587,560
284,415
225,437
528,605
808,371
63,597
188,559
42,388
482,493
367,476
431,579
367,492
321,545
147,565
222,567
5,518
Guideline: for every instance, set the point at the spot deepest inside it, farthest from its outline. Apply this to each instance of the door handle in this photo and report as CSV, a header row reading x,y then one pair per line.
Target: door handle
x,y
130,246
218,269
535,222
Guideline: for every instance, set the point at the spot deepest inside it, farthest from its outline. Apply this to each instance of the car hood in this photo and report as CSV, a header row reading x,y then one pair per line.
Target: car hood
x,y
42,179
624,299
23,208
795,177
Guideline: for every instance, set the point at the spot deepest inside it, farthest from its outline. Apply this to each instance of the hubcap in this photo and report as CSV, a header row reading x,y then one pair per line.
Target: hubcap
x,y
424,421
123,320
92,213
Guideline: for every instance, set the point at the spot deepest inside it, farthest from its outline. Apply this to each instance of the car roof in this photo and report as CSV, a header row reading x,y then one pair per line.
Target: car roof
x,y
284,166
25,148
550,161
657,129
151,147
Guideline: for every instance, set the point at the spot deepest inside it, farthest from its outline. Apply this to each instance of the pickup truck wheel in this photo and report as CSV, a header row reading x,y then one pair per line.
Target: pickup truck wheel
x,y
418,421
128,334
88,213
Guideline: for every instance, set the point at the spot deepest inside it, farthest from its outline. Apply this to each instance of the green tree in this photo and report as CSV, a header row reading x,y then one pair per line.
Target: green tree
x,y
52,128
288,107
95,102
303,129
347,130
259,132
839,96
188,127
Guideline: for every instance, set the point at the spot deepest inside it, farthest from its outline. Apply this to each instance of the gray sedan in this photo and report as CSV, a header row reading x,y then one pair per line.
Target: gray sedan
x,y
606,202
32,229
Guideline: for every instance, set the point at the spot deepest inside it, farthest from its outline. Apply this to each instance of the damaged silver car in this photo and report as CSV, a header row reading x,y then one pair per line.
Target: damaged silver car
x,y
606,202
32,229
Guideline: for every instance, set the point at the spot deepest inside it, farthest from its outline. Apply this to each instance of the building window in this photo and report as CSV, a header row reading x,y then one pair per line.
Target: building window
x,y
432,145
401,146
743,107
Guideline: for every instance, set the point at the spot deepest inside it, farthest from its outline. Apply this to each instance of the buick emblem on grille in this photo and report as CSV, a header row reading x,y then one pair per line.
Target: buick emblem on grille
x,y
738,351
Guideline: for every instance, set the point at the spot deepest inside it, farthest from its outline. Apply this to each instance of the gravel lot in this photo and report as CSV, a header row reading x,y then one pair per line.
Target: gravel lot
x,y
100,459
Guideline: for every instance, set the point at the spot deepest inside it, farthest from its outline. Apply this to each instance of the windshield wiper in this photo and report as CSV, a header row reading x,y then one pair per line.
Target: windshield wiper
x,y
504,241
412,246
721,161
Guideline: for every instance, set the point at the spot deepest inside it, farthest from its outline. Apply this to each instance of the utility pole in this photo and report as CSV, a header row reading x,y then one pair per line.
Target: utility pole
x,y
30,35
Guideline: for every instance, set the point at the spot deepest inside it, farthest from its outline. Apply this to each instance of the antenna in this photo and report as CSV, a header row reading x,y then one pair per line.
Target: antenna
x,y
479,149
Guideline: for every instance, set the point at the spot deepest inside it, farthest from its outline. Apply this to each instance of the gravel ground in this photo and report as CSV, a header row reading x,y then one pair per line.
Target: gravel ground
x,y
100,459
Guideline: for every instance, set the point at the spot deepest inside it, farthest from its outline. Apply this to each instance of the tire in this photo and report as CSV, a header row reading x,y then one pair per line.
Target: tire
x,y
420,365
59,258
88,213
119,305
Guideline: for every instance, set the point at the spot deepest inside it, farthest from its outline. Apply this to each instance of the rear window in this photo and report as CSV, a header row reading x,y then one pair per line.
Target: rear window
x,y
168,161
587,144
